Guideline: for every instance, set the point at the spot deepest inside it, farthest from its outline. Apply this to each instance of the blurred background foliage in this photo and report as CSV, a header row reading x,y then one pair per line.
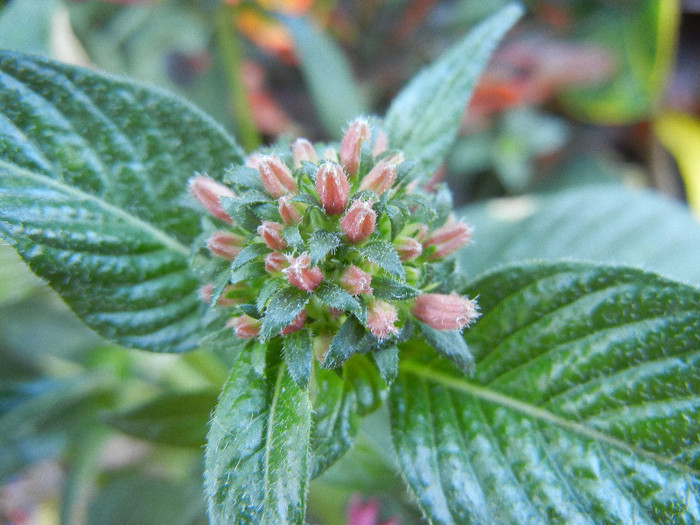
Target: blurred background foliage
x,y
584,100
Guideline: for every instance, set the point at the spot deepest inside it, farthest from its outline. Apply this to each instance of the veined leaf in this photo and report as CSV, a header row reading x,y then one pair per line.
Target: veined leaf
x,y
583,408
423,119
257,448
92,172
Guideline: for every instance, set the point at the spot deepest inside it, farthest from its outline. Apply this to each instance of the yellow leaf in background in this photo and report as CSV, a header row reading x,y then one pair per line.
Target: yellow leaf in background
x,y
680,135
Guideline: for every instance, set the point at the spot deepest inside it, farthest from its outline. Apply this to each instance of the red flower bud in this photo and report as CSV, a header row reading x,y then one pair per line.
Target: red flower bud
x,y
208,193
225,244
276,177
380,178
290,211
351,145
359,221
332,188
300,274
408,248
303,150
381,317
448,239
245,327
276,262
356,281
296,324
271,233
444,312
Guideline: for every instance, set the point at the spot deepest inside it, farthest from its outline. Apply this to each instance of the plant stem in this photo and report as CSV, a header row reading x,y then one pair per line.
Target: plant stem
x,y
233,70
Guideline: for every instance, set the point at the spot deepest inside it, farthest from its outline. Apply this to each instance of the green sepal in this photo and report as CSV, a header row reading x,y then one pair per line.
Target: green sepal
x,y
390,290
248,254
283,308
349,340
387,361
397,218
298,356
321,243
293,237
335,297
384,255
267,291
450,344
248,272
241,213
243,178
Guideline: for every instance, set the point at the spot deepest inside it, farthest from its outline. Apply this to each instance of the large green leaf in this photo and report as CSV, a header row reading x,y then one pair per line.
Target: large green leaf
x,y
424,118
258,446
583,408
92,174
601,223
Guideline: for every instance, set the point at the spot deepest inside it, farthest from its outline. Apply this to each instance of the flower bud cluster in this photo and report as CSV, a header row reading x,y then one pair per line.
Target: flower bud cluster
x,y
349,230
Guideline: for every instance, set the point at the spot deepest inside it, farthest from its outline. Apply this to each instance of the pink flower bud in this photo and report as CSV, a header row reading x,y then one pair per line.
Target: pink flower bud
x,y
300,274
359,221
296,324
332,188
356,281
351,145
381,317
408,248
290,211
208,193
330,154
380,178
225,244
206,291
276,262
381,143
448,239
271,233
444,312
303,150
245,327
276,177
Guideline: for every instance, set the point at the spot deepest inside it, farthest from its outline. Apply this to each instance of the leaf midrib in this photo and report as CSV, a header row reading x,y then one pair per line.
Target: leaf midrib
x,y
268,434
537,413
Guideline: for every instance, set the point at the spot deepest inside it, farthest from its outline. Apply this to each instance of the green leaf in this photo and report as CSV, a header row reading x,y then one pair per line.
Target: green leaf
x,y
248,254
384,255
293,237
424,118
257,448
297,355
321,243
92,173
335,297
391,290
601,223
328,76
583,407
349,340
387,361
173,419
450,344
282,310
244,179
268,290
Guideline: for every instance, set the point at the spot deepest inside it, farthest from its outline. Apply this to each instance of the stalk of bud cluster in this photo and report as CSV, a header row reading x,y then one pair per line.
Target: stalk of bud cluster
x,y
381,317
290,211
351,145
408,248
300,274
208,193
245,327
303,150
296,324
275,176
444,312
448,239
332,188
225,244
355,281
276,262
380,178
359,221
271,233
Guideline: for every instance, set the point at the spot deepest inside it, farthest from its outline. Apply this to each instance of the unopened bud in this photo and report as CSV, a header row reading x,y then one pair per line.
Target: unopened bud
x,y
356,281
351,145
381,317
303,150
381,143
271,233
380,178
225,244
330,154
290,212
245,327
408,248
300,274
448,239
444,312
359,221
321,344
296,324
276,177
208,193
332,188
205,293
276,262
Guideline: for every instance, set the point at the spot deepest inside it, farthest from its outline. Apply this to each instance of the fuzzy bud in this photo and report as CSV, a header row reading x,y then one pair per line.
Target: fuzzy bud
x,y
351,145
276,177
300,274
356,281
381,317
380,178
290,211
245,327
444,312
225,244
448,239
359,221
408,248
271,233
276,262
208,193
303,150
296,324
332,188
